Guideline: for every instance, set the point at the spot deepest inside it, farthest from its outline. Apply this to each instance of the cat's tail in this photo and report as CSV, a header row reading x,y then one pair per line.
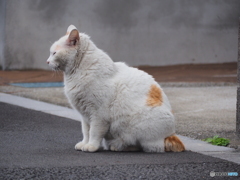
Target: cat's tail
x,y
173,143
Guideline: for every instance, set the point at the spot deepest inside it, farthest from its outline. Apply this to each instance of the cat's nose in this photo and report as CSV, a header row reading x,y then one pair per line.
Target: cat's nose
x,y
47,62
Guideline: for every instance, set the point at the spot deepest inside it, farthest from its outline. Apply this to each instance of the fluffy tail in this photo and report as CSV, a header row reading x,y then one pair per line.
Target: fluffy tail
x,y
173,143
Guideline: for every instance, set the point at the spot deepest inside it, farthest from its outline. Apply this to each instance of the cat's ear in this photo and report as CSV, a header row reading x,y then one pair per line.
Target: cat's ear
x,y
73,37
70,28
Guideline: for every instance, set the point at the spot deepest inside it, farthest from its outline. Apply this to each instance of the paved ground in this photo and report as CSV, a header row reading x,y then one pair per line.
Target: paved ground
x,y
36,145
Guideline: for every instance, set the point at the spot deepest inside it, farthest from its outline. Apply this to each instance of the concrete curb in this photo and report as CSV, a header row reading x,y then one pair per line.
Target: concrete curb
x,y
40,106
196,84
194,145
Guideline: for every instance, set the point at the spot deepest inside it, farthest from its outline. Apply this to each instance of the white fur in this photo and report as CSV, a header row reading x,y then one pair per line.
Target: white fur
x,y
111,97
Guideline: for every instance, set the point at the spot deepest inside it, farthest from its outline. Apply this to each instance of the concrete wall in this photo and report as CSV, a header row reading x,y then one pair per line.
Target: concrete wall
x,y
139,32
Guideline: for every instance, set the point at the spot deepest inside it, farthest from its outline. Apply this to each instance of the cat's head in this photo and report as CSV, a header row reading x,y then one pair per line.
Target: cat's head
x,y
64,51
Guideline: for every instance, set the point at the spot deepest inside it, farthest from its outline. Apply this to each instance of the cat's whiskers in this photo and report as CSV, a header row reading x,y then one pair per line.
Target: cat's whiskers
x,y
53,73
58,72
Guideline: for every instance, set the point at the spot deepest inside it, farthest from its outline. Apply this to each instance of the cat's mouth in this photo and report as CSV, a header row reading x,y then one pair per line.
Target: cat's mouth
x,y
55,67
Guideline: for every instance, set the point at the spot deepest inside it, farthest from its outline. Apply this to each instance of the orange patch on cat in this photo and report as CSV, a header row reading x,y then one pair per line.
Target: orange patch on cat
x,y
154,96
174,144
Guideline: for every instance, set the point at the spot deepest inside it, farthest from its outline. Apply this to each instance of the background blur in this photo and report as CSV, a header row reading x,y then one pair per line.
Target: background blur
x,y
139,32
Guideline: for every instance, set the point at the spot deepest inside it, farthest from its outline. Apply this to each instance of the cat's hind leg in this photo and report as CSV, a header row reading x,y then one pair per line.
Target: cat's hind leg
x,y
153,146
116,144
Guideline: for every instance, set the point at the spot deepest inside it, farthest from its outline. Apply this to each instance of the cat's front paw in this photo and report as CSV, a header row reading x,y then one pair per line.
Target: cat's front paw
x,y
79,146
90,148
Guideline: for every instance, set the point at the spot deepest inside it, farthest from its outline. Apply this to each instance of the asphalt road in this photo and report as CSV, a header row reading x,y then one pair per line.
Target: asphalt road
x,y
36,145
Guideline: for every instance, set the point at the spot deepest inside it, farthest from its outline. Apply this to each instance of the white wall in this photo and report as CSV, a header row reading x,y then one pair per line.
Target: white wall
x,y
139,32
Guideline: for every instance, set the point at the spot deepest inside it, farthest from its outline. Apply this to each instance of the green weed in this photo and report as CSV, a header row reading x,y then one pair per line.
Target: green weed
x,y
216,140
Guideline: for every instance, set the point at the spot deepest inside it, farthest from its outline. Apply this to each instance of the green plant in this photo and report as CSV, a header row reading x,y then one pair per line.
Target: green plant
x,y
216,140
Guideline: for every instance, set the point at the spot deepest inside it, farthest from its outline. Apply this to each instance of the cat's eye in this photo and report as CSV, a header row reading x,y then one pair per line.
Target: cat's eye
x,y
54,53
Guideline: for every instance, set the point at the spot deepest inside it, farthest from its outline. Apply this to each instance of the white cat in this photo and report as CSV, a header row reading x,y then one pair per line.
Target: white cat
x,y
123,108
